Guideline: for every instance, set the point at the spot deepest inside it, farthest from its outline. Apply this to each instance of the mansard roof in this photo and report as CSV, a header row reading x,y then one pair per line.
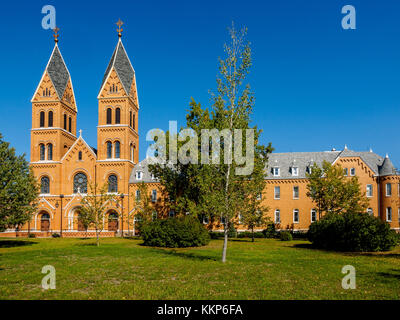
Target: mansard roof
x,y
301,160
142,166
122,65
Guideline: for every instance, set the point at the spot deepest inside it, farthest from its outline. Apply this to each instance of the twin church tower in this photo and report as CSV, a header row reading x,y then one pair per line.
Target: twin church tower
x,y
62,161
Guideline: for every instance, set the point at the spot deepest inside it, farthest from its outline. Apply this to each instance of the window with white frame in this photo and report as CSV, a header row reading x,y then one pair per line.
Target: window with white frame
x,y
370,211
295,192
295,171
352,171
206,220
388,189
276,171
296,216
313,215
389,214
259,196
153,195
171,214
277,192
369,190
139,175
277,216
346,172
138,195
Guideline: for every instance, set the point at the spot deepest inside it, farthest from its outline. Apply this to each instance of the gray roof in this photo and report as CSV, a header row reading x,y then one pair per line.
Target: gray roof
x,y
387,168
122,65
301,160
58,72
142,166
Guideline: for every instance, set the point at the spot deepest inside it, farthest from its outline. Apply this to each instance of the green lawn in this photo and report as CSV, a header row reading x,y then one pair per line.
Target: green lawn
x,y
123,269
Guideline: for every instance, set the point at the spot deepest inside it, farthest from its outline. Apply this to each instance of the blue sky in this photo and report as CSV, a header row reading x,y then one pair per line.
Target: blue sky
x,y
317,86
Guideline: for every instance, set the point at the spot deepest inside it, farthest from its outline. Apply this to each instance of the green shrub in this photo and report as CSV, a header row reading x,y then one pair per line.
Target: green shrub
x,y
216,235
55,235
32,235
247,234
232,232
352,232
285,236
270,232
175,233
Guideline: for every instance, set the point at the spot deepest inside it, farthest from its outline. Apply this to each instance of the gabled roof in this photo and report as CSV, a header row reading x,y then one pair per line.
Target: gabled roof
x,y
122,65
93,150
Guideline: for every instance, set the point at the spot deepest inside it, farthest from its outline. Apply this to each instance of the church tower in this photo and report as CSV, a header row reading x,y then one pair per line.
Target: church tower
x,y
117,130
53,111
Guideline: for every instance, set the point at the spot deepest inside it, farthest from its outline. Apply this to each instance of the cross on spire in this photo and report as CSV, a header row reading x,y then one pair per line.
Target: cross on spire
x,y
55,35
119,30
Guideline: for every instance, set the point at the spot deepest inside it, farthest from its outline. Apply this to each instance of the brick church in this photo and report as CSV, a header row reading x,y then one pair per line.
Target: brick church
x,y
65,164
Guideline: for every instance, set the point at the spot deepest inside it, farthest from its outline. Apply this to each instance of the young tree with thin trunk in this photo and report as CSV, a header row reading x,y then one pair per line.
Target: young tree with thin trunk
x,y
94,206
218,189
333,192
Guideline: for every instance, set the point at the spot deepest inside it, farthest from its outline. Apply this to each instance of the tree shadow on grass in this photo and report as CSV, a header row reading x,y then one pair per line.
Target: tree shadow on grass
x,y
305,246
15,243
185,255
392,274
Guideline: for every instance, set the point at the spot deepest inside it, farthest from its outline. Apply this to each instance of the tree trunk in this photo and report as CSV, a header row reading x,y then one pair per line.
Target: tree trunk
x,y
252,234
225,243
97,236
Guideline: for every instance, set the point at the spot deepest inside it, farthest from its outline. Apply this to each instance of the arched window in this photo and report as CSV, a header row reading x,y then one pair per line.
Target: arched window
x,y
42,151
112,183
45,222
80,183
49,151
109,150
134,122
50,119
130,119
70,125
45,185
80,155
118,116
117,149
109,116
42,119
65,121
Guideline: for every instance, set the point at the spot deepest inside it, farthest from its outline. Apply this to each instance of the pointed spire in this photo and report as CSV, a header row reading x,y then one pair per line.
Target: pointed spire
x,y
122,65
387,168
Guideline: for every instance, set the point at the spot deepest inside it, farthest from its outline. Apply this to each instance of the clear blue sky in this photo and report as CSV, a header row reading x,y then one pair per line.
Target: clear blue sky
x,y
317,86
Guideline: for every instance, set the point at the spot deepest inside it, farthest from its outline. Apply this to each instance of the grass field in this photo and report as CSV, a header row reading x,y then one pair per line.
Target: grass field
x,y
123,269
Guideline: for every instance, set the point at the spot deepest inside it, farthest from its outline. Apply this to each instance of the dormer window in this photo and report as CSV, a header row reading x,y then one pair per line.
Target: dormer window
x,y
295,171
139,175
276,171
309,169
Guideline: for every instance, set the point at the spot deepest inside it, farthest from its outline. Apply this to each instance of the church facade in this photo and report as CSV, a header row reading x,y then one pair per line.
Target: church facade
x,y
65,165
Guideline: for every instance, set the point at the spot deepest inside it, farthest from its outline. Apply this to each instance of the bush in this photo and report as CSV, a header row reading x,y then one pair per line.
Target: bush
x,y
32,235
216,235
352,232
175,233
285,236
55,235
270,231
247,234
